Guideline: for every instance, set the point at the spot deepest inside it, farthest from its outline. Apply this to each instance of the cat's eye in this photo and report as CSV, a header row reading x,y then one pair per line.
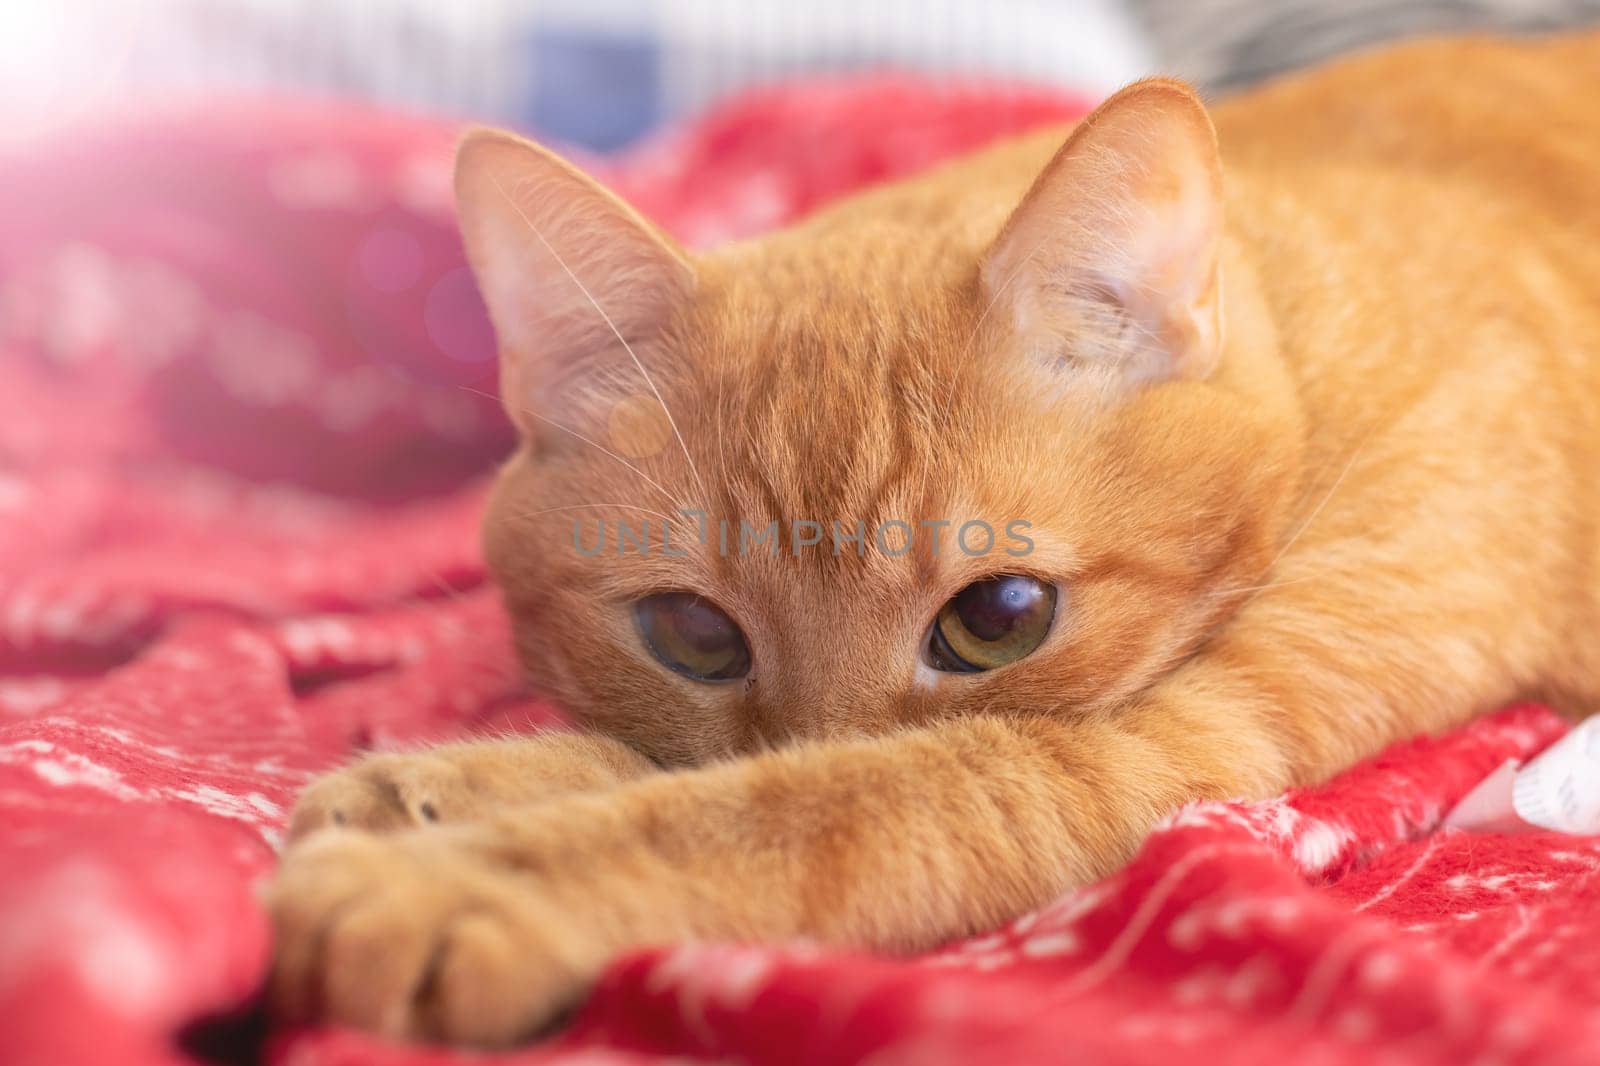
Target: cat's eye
x,y
692,635
991,623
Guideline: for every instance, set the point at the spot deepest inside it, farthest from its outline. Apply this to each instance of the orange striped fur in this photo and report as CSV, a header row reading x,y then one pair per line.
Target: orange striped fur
x,y
1304,429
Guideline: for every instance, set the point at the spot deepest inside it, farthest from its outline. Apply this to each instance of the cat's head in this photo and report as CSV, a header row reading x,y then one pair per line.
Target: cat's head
x,y
1013,463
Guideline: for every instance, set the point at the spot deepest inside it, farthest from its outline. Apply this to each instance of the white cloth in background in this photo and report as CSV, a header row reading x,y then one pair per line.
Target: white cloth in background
x,y
595,72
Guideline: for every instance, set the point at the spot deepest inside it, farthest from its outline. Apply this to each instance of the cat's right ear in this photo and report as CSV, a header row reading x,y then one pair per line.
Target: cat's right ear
x,y
572,276
1109,266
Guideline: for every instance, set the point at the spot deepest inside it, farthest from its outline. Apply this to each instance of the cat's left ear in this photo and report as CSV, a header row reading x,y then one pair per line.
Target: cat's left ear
x,y
1110,264
573,277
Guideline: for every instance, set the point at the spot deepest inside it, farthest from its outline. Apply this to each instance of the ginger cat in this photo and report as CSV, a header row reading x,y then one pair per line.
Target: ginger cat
x,y
1301,436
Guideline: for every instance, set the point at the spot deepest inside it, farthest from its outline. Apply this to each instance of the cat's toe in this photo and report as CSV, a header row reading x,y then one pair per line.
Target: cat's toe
x,y
316,903
495,981
383,793
411,936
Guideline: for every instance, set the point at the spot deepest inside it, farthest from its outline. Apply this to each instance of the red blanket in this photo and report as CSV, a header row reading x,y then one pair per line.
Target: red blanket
x,y
244,427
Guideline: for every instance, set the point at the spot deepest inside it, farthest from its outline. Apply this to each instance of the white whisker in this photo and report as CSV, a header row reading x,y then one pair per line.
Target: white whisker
x,y
673,422
1225,592
1312,517
968,349
591,443
1305,525
580,506
988,308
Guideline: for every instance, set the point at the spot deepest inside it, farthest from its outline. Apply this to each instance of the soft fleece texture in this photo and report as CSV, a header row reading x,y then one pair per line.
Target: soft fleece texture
x,y
244,428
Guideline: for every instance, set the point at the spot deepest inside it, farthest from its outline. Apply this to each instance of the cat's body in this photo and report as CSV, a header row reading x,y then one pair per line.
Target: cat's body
x,y
1301,486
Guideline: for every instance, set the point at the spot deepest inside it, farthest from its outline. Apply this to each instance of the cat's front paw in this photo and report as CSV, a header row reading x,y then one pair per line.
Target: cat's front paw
x,y
420,935
386,792
463,782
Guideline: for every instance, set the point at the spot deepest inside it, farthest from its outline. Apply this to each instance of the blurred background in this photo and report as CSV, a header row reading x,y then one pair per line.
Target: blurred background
x,y
600,73
229,239
593,72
